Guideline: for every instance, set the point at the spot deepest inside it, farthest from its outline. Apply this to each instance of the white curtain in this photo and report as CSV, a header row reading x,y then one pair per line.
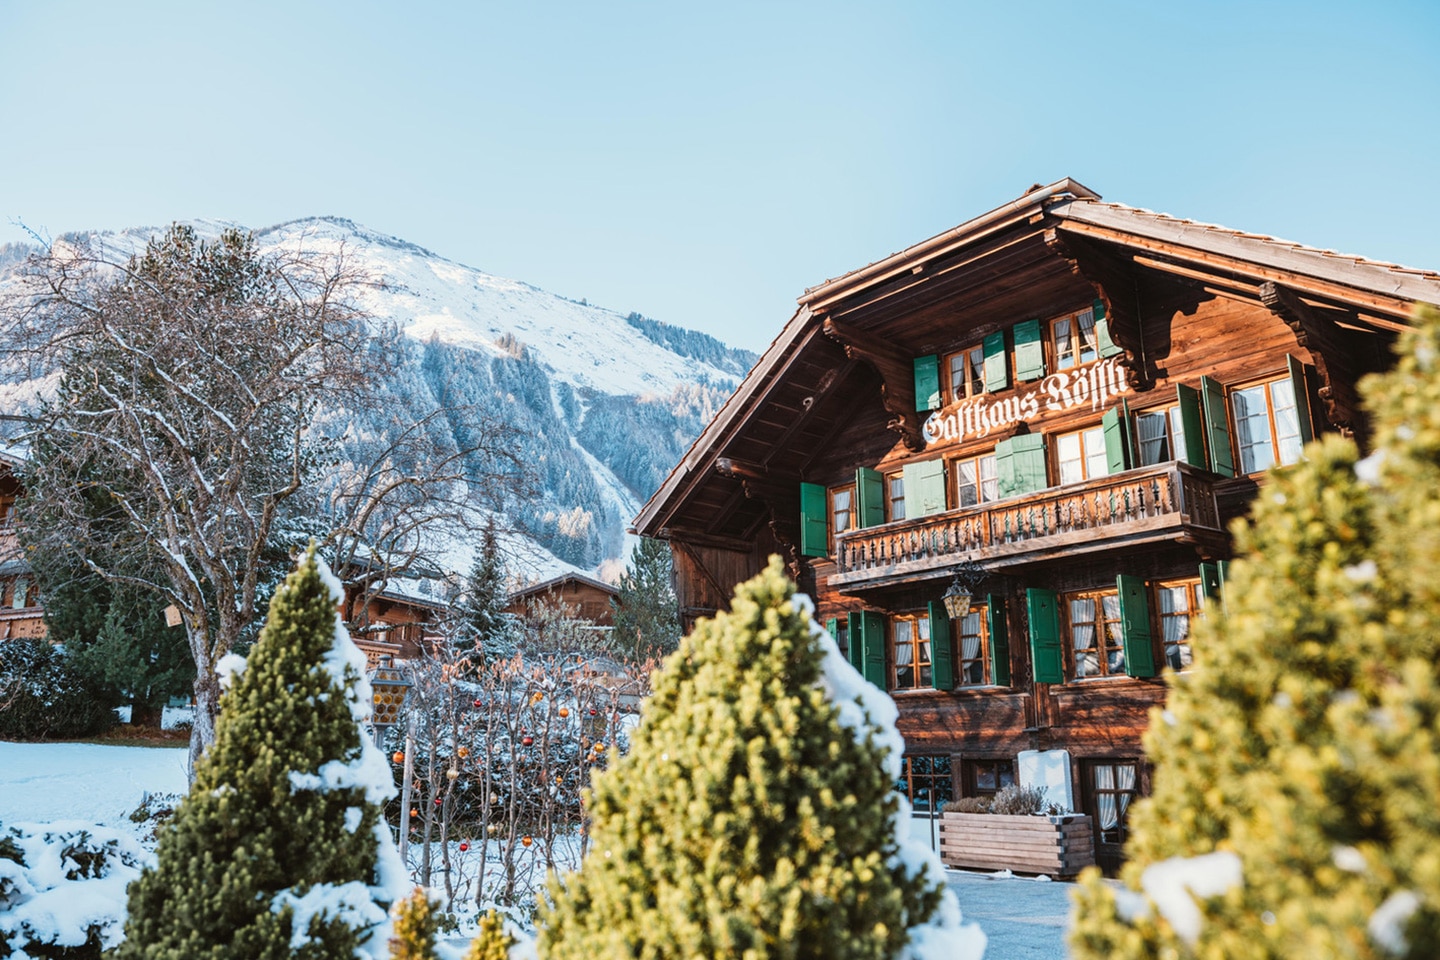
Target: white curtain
x,y
1082,636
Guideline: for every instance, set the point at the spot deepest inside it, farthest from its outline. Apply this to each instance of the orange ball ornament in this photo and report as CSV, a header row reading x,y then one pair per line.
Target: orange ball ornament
x,y
526,841
398,757
564,712
462,752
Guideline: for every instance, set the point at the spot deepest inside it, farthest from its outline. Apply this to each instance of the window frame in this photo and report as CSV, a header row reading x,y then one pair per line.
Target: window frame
x,y
1174,438
1195,596
1291,444
980,614
920,642
831,513
1106,643
977,461
1120,831
972,374
894,482
971,768
936,775
1088,458
1072,355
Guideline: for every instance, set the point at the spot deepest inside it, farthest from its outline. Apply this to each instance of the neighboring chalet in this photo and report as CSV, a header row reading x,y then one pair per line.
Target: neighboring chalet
x,y
21,616
1074,396
587,597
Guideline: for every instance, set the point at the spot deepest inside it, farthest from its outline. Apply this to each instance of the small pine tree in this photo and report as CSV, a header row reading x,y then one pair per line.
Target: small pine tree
x,y
647,618
415,928
279,849
484,626
493,942
746,820
1302,754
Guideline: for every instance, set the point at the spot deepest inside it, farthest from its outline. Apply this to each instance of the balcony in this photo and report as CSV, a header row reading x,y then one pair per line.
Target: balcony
x,y
1166,502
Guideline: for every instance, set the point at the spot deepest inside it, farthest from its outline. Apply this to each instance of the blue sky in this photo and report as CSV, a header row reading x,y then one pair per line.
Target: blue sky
x,y
703,164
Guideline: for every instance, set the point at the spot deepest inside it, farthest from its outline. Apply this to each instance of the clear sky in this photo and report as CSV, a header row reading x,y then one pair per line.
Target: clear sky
x,y
704,163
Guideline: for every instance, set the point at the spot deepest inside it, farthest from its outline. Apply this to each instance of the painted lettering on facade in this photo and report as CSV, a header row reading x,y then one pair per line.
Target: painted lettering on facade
x,y
1097,385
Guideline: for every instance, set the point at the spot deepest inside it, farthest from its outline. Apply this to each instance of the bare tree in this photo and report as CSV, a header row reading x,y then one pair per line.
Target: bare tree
x,y
179,433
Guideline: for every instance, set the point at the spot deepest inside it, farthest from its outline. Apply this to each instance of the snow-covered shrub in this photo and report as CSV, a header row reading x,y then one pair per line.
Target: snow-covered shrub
x,y
1017,801
279,848
1297,766
62,889
755,815
42,696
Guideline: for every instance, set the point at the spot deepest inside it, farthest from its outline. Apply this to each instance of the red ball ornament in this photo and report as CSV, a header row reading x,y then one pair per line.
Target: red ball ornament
x,y
479,703
439,801
592,711
464,846
527,741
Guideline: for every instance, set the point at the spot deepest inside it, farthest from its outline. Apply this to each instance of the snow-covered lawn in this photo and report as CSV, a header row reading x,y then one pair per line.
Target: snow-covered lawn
x,y
44,782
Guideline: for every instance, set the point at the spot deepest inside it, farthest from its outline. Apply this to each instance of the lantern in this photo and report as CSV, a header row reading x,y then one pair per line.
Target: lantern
x,y
958,594
389,685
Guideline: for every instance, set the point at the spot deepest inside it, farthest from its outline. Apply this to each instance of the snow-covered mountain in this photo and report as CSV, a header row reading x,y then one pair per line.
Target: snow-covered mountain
x,y
602,404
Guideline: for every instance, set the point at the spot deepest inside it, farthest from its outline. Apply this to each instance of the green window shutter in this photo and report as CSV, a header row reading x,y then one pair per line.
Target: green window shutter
x,y
870,497
1135,626
1190,422
872,644
1116,424
1029,351
855,642
1046,657
1302,397
1217,427
814,525
997,373
924,488
1210,580
999,639
942,658
1108,347
1005,481
927,383
1028,451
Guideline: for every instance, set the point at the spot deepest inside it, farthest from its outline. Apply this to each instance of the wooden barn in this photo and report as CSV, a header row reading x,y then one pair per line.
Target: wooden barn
x,y
586,597
1057,406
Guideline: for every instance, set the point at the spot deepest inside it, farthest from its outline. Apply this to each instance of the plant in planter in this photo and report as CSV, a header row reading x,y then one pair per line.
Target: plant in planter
x,y
1011,831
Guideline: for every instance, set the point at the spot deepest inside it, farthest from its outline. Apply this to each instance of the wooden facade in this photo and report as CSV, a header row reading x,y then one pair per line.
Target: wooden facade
x,y
21,616
588,598
1077,396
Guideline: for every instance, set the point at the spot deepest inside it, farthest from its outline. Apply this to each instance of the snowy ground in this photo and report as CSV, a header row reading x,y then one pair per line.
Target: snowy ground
x,y
44,782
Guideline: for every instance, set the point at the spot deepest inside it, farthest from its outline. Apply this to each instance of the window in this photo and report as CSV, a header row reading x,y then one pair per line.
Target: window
x,y
967,372
926,781
1113,785
18,593
910,646
1179,603
1074,339
1267,424
1161,435
895,496
1095,636
842,512
1081,456
985,778
973,643
976,481
842,636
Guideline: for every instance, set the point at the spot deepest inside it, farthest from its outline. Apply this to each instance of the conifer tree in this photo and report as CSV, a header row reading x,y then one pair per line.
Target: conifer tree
x,y
493,942
1294,811
647,617
279,850
485,627
747,820
415,928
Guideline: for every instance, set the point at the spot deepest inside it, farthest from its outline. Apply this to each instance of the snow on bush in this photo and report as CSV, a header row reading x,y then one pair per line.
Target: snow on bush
x,y
62,885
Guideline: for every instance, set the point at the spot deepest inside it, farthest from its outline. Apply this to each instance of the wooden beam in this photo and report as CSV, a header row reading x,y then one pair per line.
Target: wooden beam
x,y
681,535
1328,349
1115,285
897,378
1394,307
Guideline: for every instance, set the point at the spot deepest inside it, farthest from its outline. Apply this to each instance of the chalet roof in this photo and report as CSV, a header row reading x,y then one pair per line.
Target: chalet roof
x,y
546,585
980,275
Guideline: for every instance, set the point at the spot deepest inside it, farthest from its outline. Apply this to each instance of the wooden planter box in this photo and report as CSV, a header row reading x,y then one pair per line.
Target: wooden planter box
x,y
1059,846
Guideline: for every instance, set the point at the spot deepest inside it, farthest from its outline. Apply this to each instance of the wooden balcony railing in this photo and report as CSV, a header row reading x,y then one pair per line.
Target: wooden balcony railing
x,y
1167,501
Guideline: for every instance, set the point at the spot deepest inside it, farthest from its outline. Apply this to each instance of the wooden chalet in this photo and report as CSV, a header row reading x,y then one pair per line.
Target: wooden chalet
x,y
587,597
1076,397
21,616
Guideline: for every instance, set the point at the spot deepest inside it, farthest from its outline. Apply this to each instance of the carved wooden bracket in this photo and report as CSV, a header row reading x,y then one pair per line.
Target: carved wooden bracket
x,y
1113,283
1326,343
897,378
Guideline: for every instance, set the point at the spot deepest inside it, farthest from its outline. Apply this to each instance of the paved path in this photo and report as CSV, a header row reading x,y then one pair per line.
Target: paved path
x,y
1024,919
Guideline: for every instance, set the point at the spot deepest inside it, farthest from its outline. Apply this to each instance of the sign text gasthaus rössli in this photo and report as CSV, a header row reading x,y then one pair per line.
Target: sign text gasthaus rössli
x,y
1097,385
